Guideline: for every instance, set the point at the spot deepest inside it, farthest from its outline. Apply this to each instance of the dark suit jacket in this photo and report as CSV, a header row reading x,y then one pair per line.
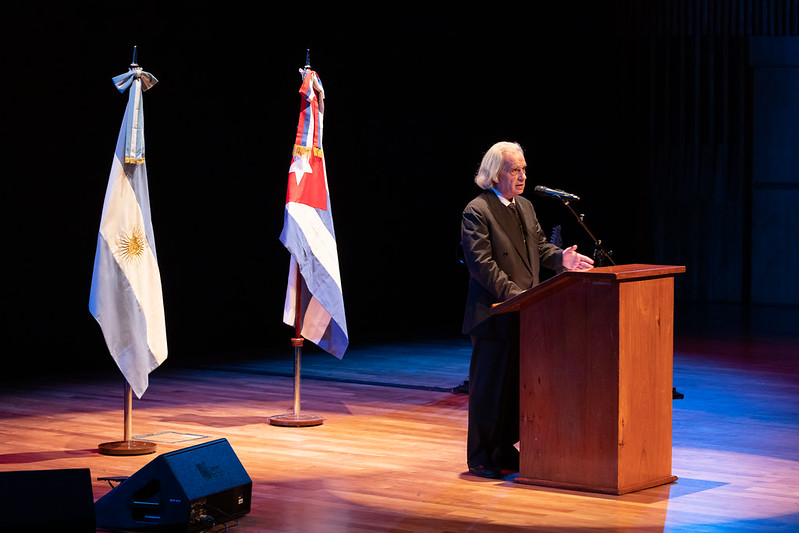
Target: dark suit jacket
x,y
500,266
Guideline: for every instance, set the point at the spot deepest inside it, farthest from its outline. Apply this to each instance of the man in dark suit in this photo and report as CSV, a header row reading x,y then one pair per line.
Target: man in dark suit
x,y
504,248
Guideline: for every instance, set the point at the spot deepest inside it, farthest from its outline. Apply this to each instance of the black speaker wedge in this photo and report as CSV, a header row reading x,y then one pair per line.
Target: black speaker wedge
x,y
186,490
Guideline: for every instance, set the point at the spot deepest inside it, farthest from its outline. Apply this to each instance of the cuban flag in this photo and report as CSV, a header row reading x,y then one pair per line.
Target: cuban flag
x,y
308,233
126,298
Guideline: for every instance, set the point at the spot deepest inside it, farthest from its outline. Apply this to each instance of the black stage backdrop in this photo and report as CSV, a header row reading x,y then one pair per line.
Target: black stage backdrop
x,y
413,101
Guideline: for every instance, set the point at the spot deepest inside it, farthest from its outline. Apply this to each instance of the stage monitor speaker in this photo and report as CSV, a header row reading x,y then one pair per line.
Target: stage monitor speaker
x,y
186,490
47,500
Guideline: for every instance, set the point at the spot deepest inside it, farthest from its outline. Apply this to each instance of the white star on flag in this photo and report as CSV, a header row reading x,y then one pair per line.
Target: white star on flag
x,y
300,166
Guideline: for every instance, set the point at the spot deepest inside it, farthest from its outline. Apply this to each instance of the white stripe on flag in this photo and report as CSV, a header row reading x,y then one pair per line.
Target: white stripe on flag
x,y
320,241
290,305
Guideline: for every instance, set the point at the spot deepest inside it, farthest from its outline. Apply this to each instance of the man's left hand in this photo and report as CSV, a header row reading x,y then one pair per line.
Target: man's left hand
x,y
574,261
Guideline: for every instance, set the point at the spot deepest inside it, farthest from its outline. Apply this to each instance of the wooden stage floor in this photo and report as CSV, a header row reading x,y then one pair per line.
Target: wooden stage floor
x,y
390,455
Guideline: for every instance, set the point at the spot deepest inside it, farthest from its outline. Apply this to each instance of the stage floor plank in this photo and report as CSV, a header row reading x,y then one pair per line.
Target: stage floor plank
x,y
390,455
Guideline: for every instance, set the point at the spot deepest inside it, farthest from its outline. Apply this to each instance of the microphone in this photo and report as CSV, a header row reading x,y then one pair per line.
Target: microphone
x,y
557,193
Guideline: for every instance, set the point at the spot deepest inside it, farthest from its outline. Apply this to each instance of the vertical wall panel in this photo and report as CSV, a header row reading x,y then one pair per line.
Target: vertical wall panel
x,y
775,169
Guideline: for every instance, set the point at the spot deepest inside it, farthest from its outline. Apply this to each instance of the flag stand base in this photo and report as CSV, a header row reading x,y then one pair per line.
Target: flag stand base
x,y
126,447
296,420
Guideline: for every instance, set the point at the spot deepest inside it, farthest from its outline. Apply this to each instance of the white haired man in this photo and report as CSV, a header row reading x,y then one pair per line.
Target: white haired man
x,y
504,248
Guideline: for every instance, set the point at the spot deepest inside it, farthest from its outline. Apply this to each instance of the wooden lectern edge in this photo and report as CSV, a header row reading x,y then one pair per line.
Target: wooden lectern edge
x,y
616,491
618,273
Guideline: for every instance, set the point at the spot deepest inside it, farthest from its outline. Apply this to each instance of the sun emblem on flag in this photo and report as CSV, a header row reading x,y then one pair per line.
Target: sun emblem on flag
x,y
132,245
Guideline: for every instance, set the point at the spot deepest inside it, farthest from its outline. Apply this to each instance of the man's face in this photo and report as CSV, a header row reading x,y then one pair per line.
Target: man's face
x,y
513,175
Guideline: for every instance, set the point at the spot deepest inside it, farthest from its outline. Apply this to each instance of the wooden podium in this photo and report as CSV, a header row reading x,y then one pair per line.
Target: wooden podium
x,y
596,378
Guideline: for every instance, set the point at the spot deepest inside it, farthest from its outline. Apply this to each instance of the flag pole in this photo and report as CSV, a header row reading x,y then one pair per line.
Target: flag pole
x,y
127,446
297,418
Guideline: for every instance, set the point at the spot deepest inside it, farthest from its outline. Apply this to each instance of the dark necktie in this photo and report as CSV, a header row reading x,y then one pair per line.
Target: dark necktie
x,y
516,214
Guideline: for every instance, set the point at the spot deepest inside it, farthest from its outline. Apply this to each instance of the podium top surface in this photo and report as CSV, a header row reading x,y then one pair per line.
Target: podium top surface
x,y
615,273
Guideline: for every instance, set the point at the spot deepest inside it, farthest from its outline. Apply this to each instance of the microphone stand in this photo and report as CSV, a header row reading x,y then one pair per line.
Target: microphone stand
x,y
600,254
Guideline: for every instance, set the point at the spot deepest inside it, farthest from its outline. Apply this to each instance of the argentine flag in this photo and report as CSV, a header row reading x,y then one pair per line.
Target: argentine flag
x,y
126,298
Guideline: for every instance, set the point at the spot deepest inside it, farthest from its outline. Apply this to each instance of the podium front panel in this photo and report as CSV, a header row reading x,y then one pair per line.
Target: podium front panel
x,y
569,376
596,378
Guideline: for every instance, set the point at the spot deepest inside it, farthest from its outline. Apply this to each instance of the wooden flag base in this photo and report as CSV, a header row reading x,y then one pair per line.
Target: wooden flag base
x,y
126,447
296,420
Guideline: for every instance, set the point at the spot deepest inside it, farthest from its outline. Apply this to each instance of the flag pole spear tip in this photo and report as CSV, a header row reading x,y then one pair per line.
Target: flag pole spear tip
x,y
308,58
133,63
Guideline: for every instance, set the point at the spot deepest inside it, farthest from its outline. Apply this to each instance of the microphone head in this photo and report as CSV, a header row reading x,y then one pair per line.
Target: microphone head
x,y
555,193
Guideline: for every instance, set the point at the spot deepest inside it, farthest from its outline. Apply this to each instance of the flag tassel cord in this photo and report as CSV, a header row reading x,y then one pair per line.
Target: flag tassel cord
x,y
297,418
127,446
